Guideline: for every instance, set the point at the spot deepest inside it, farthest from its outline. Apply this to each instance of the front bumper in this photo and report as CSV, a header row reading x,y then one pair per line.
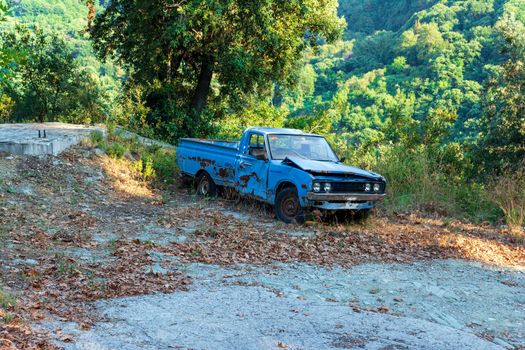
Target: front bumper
x,y
343,201
344,197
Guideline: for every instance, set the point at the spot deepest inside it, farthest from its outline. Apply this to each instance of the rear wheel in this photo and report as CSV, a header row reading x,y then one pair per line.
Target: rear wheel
x,y
205,186
288,208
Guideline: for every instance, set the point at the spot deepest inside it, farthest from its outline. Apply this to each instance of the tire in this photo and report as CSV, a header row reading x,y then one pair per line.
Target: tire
x,y
205,186
288,208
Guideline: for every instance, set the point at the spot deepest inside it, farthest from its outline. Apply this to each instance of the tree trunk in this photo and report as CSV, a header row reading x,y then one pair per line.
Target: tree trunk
x,y
202,90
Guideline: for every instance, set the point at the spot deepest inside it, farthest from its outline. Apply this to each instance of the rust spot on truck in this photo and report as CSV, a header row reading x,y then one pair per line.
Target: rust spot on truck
x,y
246,178
223,172
204,162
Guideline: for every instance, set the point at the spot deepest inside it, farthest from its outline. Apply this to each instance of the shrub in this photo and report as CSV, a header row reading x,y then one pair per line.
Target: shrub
x,y
147,168
429,181
155,163
164,163
116,150
144,166
415,182
507,191
97,137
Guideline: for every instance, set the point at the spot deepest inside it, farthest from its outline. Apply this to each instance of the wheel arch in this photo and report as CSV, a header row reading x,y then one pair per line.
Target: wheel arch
x,y
281,186
197,176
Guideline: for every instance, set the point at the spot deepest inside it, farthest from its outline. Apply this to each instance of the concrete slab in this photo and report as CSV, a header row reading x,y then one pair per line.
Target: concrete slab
x,y
23,139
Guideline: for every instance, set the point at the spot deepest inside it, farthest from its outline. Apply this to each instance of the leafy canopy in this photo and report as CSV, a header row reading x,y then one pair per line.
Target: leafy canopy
x,y
242,46
503,123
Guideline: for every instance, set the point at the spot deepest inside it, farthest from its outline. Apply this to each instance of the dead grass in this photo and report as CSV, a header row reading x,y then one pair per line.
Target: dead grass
x,y
124,178
508,192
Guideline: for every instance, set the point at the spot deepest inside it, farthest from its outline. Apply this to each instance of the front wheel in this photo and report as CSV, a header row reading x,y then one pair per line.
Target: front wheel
x,y
205,186
288,208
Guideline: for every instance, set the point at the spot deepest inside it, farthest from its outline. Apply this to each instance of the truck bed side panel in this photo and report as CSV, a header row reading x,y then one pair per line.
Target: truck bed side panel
x,y
215,157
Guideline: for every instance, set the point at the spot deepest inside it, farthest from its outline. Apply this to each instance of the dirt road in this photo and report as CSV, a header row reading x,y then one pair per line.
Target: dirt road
x,y
431,305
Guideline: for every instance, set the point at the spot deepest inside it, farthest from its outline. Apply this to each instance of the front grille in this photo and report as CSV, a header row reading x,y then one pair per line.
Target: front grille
x,y
353,187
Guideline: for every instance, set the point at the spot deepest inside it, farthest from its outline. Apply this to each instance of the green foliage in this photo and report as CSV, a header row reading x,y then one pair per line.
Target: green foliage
x,y
97,137
153,163
255,114
368,16
49,85
164,165
116,150
502,143
197,55
44,43
6,108
414,181
9,57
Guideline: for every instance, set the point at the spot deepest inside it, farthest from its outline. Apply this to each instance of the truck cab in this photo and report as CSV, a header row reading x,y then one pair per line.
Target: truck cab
x,y
292,170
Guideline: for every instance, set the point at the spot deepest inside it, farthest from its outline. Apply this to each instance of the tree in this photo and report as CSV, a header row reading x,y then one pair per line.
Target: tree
x,y
49,83
503,122
245,46
8,55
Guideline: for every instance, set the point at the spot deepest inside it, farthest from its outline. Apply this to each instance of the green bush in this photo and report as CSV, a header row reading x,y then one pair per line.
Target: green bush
x,y
144,166
422,180
164,163
415,182
154,163
116,150
97,137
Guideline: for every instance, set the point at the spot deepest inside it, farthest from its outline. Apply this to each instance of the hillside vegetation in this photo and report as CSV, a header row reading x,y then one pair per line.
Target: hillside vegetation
x,y
429,93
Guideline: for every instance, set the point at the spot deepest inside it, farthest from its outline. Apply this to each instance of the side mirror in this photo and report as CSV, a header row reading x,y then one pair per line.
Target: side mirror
x,y
342,160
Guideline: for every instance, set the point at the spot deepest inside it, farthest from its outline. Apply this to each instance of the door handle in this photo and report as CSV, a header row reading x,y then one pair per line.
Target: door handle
x,y
245,164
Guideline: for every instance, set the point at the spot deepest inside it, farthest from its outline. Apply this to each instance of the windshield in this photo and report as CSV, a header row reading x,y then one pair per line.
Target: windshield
x,y
307,147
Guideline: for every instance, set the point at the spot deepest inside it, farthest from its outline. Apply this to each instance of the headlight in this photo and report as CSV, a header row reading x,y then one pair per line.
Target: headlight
x,y
368,187
377,187
316,187
327,187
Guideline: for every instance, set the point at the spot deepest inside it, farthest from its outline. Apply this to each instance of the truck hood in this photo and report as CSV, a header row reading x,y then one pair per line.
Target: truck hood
x,y
326,168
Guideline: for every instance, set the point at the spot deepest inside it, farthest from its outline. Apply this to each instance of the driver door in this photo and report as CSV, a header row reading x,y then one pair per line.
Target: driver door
x,y
252,168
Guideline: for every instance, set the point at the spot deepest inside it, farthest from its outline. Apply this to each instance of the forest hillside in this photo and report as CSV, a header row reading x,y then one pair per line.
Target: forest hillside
x,y
429,93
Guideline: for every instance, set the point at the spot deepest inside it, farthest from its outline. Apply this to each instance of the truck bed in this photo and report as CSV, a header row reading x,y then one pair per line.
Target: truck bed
x,y
217,143
217,157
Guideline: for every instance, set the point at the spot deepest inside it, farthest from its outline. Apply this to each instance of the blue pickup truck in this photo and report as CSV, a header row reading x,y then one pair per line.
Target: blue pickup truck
x,y
289,169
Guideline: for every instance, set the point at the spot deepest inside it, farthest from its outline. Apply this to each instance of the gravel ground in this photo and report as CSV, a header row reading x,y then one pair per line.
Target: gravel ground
x,y
434,305
108,235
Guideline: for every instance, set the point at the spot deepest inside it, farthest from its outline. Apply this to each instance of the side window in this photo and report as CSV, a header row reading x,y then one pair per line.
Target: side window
x,y
254,141
257,147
